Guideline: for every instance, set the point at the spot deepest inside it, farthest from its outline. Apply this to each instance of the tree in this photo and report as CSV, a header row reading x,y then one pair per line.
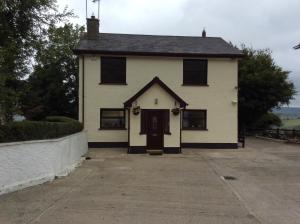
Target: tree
x,y
263,85
267,120
22,23
52,88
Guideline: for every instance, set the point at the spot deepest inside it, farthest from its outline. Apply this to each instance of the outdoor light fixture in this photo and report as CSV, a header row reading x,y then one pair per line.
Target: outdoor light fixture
x,y
136,109
176,110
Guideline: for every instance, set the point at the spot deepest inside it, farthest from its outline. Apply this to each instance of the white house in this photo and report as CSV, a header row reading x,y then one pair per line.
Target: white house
x,y
157,92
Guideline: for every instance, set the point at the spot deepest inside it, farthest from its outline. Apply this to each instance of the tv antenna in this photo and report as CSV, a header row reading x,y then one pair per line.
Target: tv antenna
x,y
86,7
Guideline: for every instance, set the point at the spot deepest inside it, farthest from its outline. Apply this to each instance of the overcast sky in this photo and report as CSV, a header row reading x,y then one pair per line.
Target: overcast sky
x,y
257,23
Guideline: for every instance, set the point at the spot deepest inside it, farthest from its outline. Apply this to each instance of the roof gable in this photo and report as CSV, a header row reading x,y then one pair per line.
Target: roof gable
x,y
157,81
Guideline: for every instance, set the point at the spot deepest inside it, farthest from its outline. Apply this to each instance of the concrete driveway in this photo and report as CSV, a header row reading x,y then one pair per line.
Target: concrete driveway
x,y
115,187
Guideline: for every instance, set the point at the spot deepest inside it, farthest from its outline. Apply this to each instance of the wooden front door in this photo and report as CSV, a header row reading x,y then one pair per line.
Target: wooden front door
x,y
155,132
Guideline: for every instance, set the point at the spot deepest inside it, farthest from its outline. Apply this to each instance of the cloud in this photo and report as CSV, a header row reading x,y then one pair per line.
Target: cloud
x,y
257,23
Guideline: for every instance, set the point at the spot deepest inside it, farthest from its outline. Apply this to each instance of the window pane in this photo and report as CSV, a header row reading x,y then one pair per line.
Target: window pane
x,y
111,118
112,113
194,119
113,70
113,123
195,71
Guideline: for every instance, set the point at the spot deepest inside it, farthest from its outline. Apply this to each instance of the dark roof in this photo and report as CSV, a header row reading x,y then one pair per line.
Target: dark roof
x,y
129,44
157,81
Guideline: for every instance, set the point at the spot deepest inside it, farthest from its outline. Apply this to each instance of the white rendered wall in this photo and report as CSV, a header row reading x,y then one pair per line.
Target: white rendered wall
x,y
24,164
217,98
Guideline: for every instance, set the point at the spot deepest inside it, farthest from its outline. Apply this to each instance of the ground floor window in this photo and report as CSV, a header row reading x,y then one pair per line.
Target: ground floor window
x,y
113,119
194,120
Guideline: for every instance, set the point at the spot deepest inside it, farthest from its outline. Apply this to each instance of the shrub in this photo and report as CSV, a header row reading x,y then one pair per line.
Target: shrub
x,y
266,121
52,127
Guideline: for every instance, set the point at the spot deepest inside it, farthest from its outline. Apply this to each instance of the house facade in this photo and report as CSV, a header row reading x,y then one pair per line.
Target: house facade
x,y
148,92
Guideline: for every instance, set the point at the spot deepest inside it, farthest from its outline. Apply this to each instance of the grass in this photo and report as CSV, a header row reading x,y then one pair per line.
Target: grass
x,y
291,124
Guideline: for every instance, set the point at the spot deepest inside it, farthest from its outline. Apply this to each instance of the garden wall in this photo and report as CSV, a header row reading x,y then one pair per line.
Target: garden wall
x,y
24,164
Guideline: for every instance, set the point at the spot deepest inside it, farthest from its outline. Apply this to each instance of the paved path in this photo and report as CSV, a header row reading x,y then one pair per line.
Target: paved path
x,y
115,187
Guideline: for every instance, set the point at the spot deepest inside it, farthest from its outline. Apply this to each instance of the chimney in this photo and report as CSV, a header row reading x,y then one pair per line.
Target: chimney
x,y
92,28
204,33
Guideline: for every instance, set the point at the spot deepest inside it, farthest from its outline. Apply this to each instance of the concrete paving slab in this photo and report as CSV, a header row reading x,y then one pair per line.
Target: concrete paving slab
x,y
114,187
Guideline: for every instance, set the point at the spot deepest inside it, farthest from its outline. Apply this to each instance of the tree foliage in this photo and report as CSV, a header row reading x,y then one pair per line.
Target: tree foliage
x,y
22,24
263,85
267,120
52,87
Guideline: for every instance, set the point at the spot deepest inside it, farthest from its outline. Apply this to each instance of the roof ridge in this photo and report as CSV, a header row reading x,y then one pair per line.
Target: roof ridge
x,y
155,35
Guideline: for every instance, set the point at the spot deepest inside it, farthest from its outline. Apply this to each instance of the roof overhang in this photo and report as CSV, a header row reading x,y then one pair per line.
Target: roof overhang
x,y
157,81
160,54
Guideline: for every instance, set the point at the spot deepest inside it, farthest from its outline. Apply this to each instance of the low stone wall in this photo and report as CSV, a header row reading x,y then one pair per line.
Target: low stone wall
x,y
24,164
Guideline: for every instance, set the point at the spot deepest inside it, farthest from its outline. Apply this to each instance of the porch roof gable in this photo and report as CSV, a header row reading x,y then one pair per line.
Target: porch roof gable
x,y
157,81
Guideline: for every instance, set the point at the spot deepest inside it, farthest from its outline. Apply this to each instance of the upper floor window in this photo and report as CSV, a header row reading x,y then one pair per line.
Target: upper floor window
x,y
194,72
194,120
113,70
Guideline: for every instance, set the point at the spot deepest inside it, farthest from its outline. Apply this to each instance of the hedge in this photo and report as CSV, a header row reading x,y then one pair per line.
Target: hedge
x,y
52,127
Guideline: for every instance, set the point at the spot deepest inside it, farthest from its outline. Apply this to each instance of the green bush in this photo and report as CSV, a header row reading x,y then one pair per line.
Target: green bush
x,y
52,127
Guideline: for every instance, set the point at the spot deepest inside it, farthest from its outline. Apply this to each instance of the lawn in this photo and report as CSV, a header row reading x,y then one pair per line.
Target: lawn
x,y
291,124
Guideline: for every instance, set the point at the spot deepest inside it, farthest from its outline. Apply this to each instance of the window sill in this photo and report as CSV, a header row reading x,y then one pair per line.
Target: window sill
x,y
199,85
114,84
193,129
112,129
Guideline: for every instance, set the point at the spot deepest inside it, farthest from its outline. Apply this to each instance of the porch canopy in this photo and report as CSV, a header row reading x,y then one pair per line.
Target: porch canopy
x,y
157,81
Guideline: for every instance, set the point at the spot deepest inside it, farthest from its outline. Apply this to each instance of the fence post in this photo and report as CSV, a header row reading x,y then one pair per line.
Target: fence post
x,y
277,133
294,133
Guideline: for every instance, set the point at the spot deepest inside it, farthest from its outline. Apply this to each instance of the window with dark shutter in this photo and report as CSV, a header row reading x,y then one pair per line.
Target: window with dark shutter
x,y
194,120
113,70
194,72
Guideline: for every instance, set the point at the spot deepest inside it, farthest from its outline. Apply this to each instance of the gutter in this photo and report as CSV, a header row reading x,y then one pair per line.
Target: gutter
x,y
79,52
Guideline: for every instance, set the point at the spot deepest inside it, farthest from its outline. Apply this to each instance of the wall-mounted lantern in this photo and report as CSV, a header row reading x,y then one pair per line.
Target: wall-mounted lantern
x,y
136,109
176,109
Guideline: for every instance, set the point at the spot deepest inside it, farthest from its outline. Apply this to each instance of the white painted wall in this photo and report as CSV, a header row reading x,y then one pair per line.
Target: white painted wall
x,y
217,98
24,164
